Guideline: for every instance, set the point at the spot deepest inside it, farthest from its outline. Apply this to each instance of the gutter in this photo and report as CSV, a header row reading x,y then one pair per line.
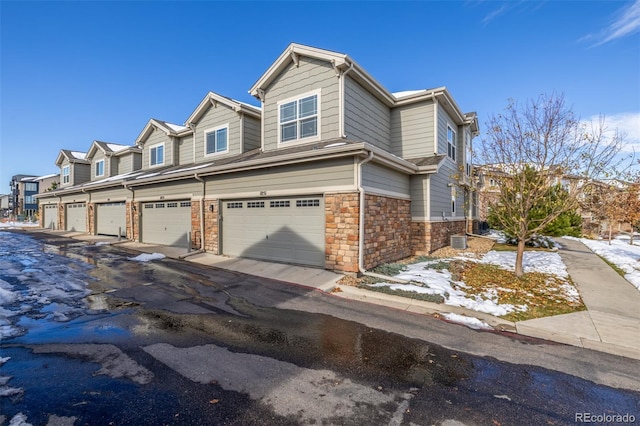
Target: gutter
x,y
204,185
361,213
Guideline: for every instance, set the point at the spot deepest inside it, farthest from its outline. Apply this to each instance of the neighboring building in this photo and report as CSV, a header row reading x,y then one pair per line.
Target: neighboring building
x,y
48,183
332,170
4,205
22,202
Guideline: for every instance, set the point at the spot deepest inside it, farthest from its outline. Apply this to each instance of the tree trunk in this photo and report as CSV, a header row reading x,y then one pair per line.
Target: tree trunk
x,y
610,232
519,258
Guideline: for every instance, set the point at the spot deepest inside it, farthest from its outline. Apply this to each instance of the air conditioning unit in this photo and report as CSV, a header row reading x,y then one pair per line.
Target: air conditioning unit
x,y
459,242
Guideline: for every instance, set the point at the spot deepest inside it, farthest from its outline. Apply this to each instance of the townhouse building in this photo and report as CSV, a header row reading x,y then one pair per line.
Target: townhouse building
x,y
330,170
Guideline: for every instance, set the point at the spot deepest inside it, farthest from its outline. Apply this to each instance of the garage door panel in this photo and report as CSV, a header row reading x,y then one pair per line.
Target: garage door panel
x,y
111,218
51,216
76,217
285,229
166,223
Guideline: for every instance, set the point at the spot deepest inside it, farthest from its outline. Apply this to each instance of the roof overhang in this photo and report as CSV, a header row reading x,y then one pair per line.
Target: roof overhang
x,y
153,125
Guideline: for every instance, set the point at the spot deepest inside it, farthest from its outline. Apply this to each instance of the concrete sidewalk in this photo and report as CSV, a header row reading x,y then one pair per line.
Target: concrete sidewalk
x,y
611,322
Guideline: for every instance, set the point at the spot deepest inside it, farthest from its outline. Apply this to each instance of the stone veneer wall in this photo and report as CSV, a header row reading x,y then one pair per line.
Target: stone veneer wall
x,y
342,221
387,230
211,226
196,232
427,237
133,233
91,215
62,218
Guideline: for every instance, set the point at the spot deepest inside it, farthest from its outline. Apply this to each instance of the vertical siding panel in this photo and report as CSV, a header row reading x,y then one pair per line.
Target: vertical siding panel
x,y
412,130
366,118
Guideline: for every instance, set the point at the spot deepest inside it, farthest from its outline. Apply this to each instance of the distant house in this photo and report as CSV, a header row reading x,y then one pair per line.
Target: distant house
x,y
22,203
330,170
4,205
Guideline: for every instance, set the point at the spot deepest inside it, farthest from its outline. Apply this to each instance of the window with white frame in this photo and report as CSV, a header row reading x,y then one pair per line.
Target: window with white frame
x,y
451,143
31,186
66,174
299,118
215,140
156,155
100,168
28,199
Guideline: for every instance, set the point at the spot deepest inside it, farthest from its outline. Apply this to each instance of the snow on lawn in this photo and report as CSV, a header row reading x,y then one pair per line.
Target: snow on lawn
x,y
146,257
620,253
432,281
18,225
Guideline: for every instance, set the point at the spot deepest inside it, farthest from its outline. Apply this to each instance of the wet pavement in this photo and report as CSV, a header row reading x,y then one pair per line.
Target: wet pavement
x,y
93,337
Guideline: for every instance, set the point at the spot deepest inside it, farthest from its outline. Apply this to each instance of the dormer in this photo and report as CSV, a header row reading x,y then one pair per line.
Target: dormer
x,y
161,144
74,168
223,127
109,159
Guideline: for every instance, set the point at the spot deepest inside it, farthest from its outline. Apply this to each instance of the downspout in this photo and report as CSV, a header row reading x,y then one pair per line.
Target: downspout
x,y
198,178
342,98
193,129
361,220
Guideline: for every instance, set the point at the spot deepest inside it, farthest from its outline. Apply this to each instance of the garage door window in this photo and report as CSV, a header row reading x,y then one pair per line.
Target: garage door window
x,y
185,204
283,203
235,205
308,203
255,204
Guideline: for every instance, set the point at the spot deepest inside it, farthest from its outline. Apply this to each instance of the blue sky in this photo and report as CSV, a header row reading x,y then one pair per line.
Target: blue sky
x,y
75,72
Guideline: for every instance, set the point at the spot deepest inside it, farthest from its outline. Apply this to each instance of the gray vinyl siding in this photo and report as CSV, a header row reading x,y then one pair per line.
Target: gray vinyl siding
x,y
216,117
136,159
168,190
185,150
125,163
74,198
312,74
441,192
293,178
80,173
412,132
365,117
114,166
419,196
251,133
107,195
376,176
157,137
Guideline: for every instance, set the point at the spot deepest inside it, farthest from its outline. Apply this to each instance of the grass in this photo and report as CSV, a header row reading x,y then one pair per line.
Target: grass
x,y
511,247
541,293
614,267
434,298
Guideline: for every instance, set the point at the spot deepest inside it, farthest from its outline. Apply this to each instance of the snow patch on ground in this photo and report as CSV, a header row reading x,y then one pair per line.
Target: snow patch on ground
x,y
146,257
622,254
18,225
470,322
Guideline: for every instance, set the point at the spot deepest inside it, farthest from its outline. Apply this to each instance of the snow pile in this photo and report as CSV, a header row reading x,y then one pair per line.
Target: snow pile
x,y
622,254
146,257
470,322
17,225
28,287
439,281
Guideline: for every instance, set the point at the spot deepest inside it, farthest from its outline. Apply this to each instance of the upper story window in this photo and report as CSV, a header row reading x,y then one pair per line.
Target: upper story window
x,y
31,186
451,143
100,168
215,140
156,155
299,118
469,154
66,174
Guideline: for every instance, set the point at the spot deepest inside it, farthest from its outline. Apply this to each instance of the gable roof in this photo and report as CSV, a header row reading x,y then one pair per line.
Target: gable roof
x,y
168,128
343,64
72,156
212,99
109,149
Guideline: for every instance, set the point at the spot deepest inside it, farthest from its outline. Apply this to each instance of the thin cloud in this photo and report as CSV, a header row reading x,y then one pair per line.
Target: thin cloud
x,y
494,14
627,124
626,22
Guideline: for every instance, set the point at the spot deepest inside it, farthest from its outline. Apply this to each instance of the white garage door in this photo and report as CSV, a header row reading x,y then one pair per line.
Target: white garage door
x,y
76,217
166,222
284,229
51,216
111,218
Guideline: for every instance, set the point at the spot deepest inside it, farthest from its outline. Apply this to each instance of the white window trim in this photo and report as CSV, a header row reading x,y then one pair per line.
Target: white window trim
x,y
67,175
204,140
455,137
299,141
164,153
96,167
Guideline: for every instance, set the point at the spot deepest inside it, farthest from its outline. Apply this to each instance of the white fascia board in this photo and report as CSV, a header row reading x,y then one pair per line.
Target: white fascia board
x,y
211,96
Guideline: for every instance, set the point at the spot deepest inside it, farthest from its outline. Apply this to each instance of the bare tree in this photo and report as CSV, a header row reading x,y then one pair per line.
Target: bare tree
x,y
550,158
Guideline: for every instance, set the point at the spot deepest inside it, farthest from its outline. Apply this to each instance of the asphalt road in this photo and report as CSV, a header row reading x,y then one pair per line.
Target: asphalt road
x,y
170,342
